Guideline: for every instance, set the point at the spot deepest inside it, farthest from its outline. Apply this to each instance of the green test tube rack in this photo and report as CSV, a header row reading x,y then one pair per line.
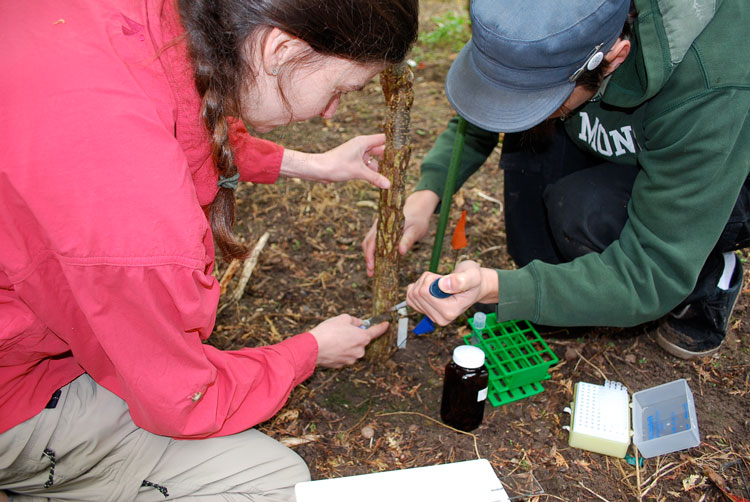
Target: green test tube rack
x,y
517,358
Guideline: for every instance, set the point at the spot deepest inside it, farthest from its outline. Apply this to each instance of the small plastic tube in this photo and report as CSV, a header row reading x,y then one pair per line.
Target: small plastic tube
x,y
480,320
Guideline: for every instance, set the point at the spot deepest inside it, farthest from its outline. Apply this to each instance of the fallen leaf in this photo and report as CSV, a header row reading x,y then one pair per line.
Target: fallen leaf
x,y
583,464
691,482
458,199
291,442
287,416
414,390
560,460
533,414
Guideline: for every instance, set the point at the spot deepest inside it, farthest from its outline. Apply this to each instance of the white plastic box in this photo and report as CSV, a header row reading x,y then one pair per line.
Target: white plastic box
x,y
663,419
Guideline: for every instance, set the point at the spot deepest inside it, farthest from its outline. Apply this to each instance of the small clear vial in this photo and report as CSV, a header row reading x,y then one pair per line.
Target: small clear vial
x,y
480,321
464,389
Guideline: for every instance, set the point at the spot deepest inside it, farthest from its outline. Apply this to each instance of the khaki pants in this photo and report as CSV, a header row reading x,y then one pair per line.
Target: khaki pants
x,y
88,448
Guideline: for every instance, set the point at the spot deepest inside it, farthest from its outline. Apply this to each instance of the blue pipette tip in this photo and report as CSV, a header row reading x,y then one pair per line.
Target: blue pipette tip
x,y
424,326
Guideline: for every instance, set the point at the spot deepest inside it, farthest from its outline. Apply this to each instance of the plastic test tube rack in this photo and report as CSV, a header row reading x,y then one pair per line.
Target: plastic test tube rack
x,y
517,358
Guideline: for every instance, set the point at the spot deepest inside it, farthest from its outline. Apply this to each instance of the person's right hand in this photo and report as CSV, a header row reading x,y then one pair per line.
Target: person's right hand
x,y
418,209
341,341
468,284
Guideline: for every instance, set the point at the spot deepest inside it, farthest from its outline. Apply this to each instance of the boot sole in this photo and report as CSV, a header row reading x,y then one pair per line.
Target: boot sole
x,y
678,351
681,353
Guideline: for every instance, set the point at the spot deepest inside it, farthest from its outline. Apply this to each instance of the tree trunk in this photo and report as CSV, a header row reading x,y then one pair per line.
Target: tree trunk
x,y
399,96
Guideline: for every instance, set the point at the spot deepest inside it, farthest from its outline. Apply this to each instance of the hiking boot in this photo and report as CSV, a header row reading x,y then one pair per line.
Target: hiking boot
x,y
698,329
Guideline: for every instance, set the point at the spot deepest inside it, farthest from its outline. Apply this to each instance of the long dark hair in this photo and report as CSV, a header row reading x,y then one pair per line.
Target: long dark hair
x,y
363,31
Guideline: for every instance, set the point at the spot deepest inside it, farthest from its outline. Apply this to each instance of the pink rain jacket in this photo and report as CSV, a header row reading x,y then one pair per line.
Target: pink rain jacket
x,y
105,250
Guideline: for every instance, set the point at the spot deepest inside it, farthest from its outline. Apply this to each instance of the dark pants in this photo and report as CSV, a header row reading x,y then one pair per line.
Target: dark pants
x,y
561,203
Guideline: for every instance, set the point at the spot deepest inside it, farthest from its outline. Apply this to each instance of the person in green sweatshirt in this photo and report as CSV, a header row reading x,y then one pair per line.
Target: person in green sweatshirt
x,y
626,154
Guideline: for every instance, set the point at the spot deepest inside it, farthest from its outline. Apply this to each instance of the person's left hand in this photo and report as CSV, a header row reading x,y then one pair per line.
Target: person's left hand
x,y
356,159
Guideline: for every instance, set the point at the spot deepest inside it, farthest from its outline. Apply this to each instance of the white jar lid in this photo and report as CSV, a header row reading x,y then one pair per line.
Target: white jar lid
x,y
468,356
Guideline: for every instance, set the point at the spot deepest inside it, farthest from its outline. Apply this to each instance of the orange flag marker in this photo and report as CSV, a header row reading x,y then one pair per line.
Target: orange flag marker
x,y
459,234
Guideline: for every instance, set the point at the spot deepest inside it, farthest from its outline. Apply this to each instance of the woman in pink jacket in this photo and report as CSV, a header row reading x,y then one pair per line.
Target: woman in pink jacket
x,y
122,140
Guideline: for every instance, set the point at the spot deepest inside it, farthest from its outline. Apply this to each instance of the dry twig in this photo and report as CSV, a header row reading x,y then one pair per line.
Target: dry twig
x,y
553,496
626,480
476,446
248,267
228,274
592,365
489,249
660,473
592,492
637,472
488,198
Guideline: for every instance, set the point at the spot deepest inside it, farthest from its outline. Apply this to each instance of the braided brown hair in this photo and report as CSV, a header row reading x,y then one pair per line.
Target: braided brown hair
x,y
363,31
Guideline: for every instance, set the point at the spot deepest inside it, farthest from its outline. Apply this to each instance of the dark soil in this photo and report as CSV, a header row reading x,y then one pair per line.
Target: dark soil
x,y
369,418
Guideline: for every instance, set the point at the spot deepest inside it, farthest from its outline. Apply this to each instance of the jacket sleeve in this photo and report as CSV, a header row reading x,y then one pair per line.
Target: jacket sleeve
x,y
122,274
258,160
140,331
690,178
478,145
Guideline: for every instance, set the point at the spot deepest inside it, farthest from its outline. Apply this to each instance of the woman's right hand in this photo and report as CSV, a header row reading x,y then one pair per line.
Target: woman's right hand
x,y
341,341
418,209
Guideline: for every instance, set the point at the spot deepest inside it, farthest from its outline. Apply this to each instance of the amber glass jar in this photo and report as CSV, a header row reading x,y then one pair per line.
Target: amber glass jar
x,y
464,389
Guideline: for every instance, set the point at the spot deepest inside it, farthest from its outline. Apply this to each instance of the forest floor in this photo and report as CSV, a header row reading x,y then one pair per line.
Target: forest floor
x,y
369,418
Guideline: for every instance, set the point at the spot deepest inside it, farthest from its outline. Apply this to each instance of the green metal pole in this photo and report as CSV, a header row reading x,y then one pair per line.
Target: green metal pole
x,y
450,186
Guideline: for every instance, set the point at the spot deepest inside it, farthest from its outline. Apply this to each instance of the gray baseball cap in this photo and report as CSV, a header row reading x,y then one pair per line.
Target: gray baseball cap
x,y
524,55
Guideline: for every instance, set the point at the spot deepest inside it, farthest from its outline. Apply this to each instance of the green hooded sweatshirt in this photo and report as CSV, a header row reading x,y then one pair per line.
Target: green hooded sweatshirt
x,y
678,109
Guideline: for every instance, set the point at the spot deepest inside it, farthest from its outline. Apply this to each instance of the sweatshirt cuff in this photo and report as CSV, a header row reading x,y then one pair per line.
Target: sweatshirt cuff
x,y
431,179
303,349
518,294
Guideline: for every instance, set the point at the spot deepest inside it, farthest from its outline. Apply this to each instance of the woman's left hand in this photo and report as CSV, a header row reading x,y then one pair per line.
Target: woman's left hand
x,y
357,159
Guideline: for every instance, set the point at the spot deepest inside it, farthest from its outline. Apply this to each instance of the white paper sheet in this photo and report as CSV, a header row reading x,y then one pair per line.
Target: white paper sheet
x,y
472,480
